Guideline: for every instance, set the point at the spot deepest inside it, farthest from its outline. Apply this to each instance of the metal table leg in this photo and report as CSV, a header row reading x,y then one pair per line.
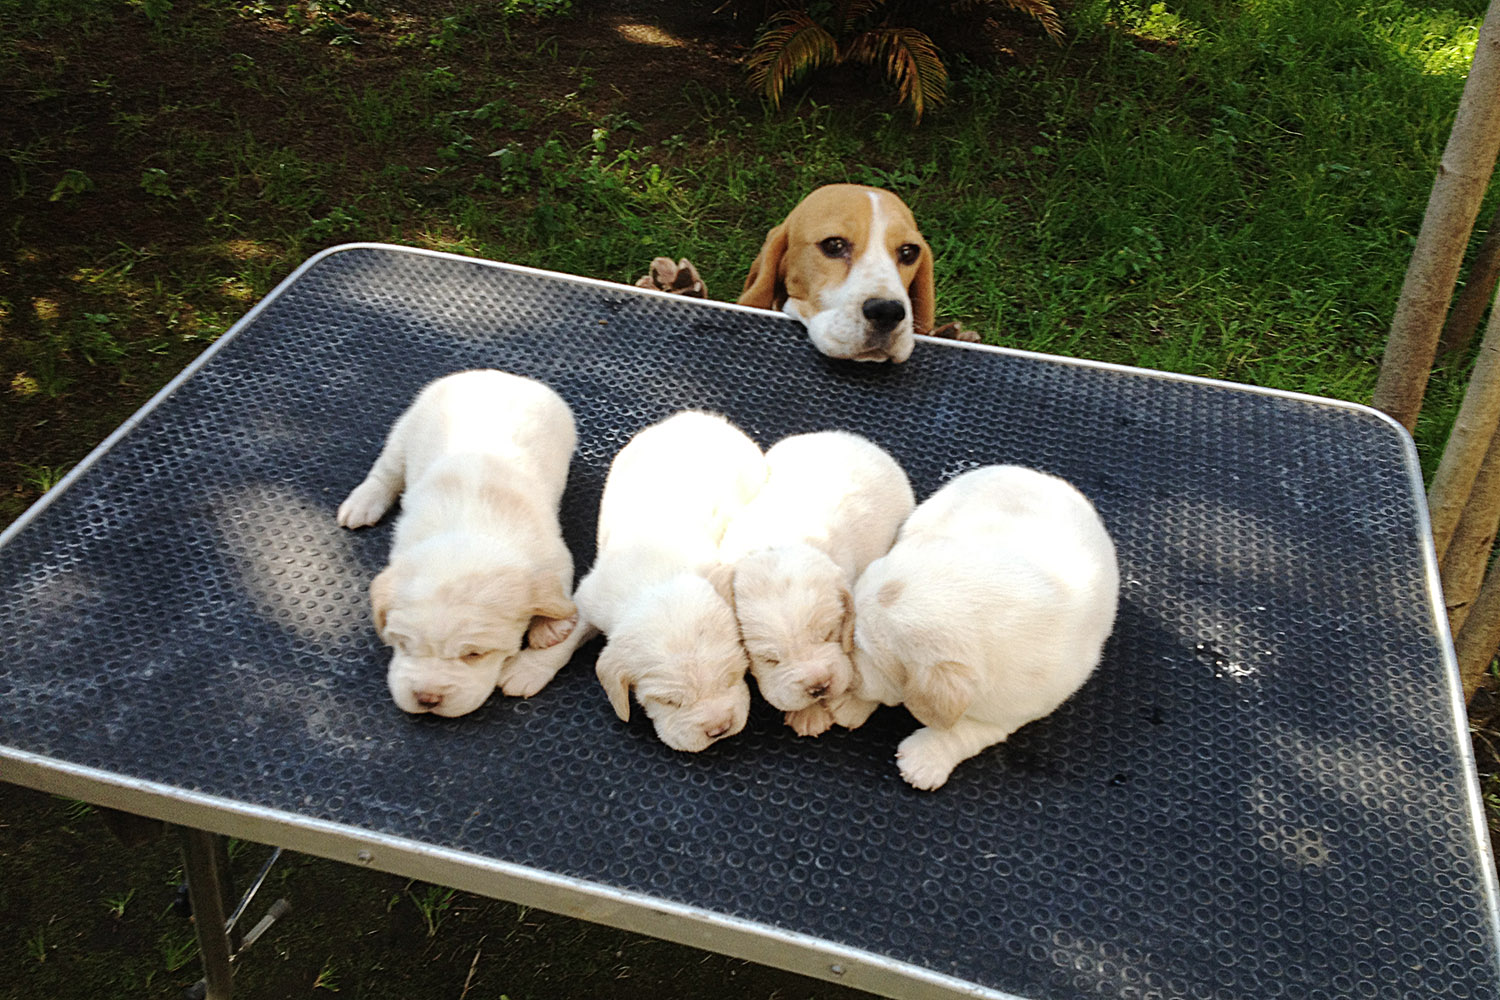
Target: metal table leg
x,y
206,862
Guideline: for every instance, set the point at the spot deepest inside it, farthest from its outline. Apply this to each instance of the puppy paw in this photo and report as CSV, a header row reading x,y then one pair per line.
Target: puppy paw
x,y
851,712
528,673
924,760
365,505
545,632
814,720
680,278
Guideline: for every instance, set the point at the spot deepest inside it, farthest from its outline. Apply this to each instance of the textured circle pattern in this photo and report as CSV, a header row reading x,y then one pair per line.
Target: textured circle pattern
x,y
1261,793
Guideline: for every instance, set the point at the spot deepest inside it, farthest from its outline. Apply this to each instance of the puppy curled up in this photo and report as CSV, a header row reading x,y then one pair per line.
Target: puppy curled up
x,y
657,589
990,611
831,505
477,563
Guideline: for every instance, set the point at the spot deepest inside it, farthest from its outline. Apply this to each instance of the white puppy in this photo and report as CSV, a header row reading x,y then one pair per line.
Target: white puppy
x,y
990,610
477,561
657,589
831,504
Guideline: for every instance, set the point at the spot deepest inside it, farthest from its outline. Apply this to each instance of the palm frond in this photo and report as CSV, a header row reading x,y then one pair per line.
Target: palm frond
x,y
1040,11
856,9
910,61
791,45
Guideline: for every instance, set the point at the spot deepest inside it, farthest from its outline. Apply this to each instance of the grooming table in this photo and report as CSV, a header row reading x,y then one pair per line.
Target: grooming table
x,y
1265,791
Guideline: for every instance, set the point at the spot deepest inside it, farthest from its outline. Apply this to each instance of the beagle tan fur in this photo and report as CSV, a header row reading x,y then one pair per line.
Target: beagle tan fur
x,y
657,588
831,505
477,559
850,264
990,611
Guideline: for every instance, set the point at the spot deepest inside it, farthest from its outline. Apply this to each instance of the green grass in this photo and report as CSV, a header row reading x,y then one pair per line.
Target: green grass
x,y
1225,189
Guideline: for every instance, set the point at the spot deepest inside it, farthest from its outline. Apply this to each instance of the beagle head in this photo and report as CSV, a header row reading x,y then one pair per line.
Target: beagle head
x,y
850,264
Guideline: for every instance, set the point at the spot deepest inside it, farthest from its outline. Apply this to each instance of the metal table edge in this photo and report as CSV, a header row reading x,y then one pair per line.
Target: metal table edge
x,y
578,898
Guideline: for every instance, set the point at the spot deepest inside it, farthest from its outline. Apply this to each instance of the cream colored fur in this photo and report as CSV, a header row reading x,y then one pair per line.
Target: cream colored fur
x,y
657,588
479,460
989,612
831,504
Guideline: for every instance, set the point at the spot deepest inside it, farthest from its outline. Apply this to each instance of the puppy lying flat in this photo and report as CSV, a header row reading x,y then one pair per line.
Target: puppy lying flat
x,y
477,561
851,265
831,504
657,588
990,610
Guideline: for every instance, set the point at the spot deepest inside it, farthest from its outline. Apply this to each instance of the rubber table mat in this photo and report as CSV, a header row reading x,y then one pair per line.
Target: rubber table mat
x,y
1264,791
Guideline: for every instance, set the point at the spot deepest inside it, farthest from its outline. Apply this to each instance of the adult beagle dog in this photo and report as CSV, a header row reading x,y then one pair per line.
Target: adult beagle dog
x,y
851,265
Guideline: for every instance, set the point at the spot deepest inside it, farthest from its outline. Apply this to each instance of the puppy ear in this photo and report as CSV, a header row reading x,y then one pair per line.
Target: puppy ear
x,y
382,596
548,599
765,274
922,293
720,576
616,678
846,629
939,695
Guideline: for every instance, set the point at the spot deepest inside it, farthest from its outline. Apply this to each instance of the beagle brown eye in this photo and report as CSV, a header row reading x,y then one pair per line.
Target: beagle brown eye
x,y
908,253
834,246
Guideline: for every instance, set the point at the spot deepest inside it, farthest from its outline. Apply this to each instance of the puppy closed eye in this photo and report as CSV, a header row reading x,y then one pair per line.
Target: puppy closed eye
x,y
474,655
672,702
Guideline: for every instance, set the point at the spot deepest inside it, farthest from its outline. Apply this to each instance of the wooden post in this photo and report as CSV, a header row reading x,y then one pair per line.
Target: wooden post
x,y
1469,552
1462,176
1469,440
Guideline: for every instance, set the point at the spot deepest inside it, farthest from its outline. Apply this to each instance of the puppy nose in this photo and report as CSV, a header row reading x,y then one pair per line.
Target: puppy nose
x,y
884,314
818,690
428,699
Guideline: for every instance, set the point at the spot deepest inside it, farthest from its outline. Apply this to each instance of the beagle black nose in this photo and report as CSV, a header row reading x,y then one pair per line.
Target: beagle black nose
x,y
884,314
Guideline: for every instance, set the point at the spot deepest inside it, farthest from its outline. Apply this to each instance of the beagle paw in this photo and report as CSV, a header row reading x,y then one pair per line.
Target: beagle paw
x,y
680,278
955,331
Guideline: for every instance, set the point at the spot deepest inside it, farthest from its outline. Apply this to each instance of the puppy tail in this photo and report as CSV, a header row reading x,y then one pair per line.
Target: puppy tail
x,y
940,695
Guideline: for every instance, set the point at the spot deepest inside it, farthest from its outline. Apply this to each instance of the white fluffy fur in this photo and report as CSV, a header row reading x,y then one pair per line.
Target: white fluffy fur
x,y
477,560
990,611
657,588
831,504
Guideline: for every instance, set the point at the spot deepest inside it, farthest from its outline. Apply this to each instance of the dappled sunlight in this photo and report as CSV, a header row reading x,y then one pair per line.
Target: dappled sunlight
x,y
297,565
648,34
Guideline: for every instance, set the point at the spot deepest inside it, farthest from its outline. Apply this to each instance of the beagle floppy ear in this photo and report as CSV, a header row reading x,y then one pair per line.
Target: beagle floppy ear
x,y
617,679
764,279
922,293
382,596
846,627
940,695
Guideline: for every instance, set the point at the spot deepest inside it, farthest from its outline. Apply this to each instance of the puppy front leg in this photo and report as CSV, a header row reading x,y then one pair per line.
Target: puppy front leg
x,y
928,756
368,502
851,711
814,720
534,667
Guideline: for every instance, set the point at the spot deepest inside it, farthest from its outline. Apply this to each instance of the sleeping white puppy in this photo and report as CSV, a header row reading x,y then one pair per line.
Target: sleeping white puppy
x,y
989,611
657,588
831,504
477,560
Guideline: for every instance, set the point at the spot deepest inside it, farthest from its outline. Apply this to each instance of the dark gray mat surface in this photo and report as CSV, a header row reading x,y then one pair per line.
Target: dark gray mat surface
x,y
1261,793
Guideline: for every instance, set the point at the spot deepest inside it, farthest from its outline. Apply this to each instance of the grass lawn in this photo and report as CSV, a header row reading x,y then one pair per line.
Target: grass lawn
x,y
1227,188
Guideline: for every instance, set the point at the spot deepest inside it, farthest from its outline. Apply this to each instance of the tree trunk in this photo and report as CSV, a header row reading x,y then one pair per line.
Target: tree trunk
x,y
1479,640
1469,552
1479,286
1462,176
1469,440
